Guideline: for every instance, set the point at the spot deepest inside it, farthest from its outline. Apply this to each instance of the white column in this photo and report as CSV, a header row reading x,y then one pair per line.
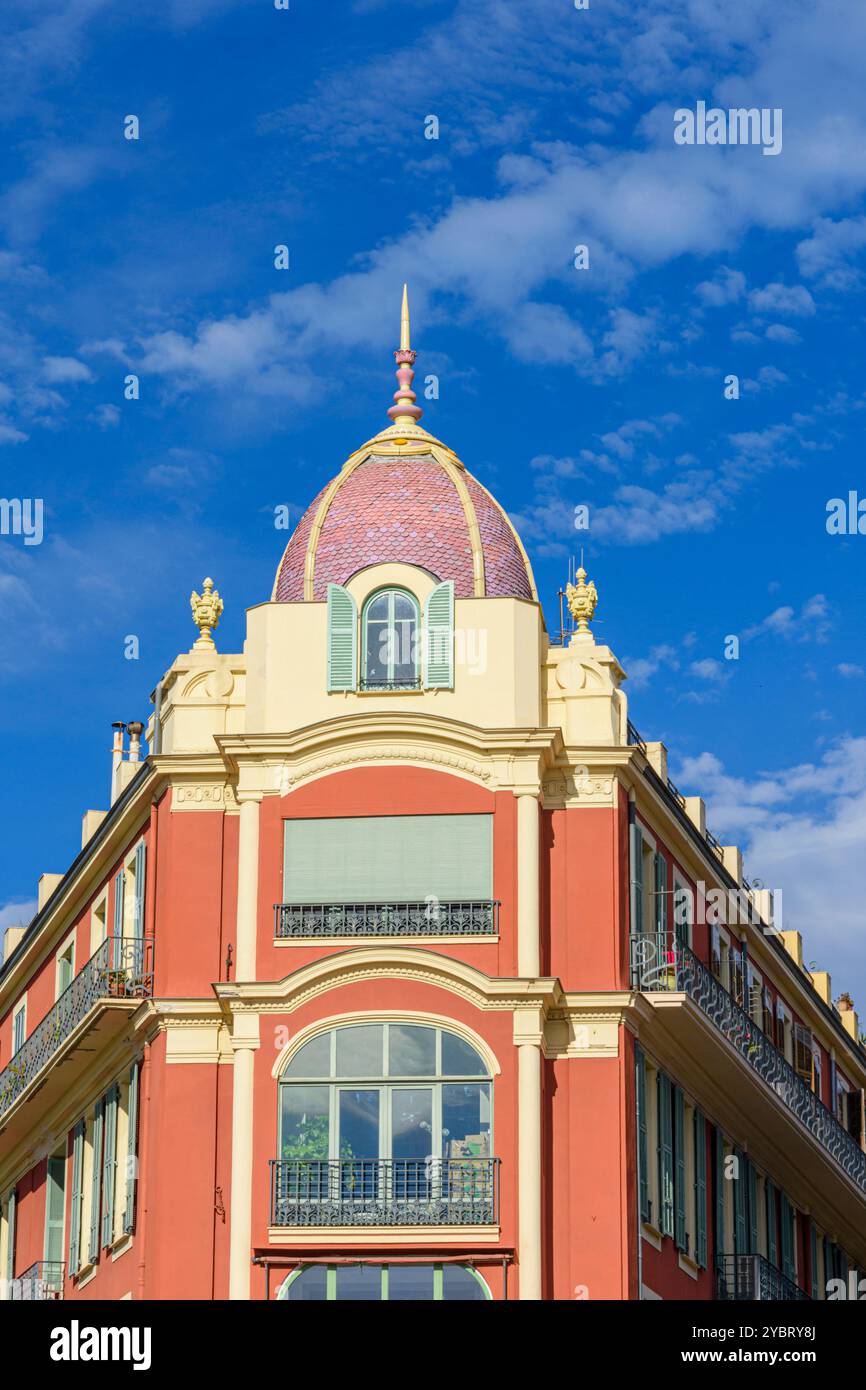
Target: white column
x,y
248,891
529,1168
528,952
240,1228
245,1040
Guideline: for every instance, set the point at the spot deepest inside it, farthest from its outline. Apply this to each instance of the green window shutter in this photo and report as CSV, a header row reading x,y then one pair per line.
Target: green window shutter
x,y
753,1210
661,883
666,1157
109,1166
772,1245
138,916
132,1150
680,1168
700,1189
77,1197
813,1259
119,894
439,637
11,1223
643,1152
342,639
636,880
389,859
93,1245
740,1190
719,1233
787,1223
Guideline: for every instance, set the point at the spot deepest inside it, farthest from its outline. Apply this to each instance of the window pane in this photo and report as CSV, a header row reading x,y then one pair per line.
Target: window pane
x,y
359,1050
304,1127
459,1059
313,1059
359,1282
466,1121
411,1125
460,1284
378,608
359,1124
411,1050
376,660
410,1282
311,1286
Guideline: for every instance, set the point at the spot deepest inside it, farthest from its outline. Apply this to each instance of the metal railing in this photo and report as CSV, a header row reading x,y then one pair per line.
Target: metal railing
x,y
660,962
747,1278
42,1282
121,968
385,1192
633,737
399,683
431,918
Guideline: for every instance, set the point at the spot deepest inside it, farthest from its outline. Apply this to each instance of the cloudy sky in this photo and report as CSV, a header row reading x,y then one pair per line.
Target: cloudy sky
x,y
560,387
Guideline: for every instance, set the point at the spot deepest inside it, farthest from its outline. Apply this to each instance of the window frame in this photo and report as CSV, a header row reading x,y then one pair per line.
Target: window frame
x,y
20,1011
67,948
384,1269
391,591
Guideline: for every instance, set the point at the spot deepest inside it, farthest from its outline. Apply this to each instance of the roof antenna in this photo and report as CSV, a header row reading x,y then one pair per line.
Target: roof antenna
x,y
405,411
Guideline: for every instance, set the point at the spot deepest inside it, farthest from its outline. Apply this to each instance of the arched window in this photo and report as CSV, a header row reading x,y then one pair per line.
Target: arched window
x,y
387,1124
390,640
382,1282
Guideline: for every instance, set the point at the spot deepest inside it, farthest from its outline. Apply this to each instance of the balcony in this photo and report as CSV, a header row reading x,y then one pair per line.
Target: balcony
x,y
385,1192
119,973
40,1283
661,963
434,918
747,1278
381,683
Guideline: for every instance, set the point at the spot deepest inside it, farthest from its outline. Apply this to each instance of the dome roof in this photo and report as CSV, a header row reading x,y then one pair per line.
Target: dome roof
x,y
405,497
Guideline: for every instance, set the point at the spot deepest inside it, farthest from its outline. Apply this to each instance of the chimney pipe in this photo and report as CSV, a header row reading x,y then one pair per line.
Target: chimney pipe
x,y
116,757
135,731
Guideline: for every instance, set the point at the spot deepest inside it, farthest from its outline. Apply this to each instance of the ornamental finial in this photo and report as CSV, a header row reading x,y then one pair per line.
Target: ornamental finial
x,y
206,609
582,599
405,411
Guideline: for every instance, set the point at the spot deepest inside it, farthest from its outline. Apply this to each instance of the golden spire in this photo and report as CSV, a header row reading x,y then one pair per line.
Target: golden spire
x,y
206,609
582,599
405,411
405,344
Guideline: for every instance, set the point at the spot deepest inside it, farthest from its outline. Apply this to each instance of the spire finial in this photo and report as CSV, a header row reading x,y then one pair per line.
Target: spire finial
x,y
582,600
206,609
405,411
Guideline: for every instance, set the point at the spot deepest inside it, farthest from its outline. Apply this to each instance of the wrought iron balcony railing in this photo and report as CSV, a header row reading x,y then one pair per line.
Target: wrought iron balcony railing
x,y
660,962
122,968
431,918
746,1278
41,1282
382,683
385,1192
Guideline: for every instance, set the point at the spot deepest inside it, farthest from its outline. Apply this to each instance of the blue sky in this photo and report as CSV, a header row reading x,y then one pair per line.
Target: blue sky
x,y
558,387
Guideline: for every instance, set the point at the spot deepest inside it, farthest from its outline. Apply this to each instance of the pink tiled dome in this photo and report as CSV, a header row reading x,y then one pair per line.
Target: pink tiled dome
x,y
414,509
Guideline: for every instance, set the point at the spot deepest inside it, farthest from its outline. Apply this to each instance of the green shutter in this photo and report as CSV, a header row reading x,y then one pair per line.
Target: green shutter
x,y
109,1166
666,1157
787,1215
119,891
813,1259
661,883
93,1246
342,639
700,1189
643,1152
719,1233
77,1197
11,1222
753,1209
439,637
636,880
131,1150
138,911
740,1190
680,1169
772,1246
389,859
55,1207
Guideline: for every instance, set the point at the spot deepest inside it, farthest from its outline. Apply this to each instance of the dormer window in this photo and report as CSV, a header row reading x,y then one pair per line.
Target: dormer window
x,y
390,641
398,650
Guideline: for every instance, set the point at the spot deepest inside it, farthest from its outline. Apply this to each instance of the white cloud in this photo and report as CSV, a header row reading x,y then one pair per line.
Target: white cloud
x,y
850,670
65,369
794,301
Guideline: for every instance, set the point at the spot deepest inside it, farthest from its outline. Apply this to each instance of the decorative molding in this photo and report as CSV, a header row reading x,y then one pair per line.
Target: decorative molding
x,y
203,796
302,772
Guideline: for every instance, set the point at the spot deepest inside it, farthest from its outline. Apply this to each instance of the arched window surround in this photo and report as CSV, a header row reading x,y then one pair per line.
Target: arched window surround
x,y
420,1017
386,1274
